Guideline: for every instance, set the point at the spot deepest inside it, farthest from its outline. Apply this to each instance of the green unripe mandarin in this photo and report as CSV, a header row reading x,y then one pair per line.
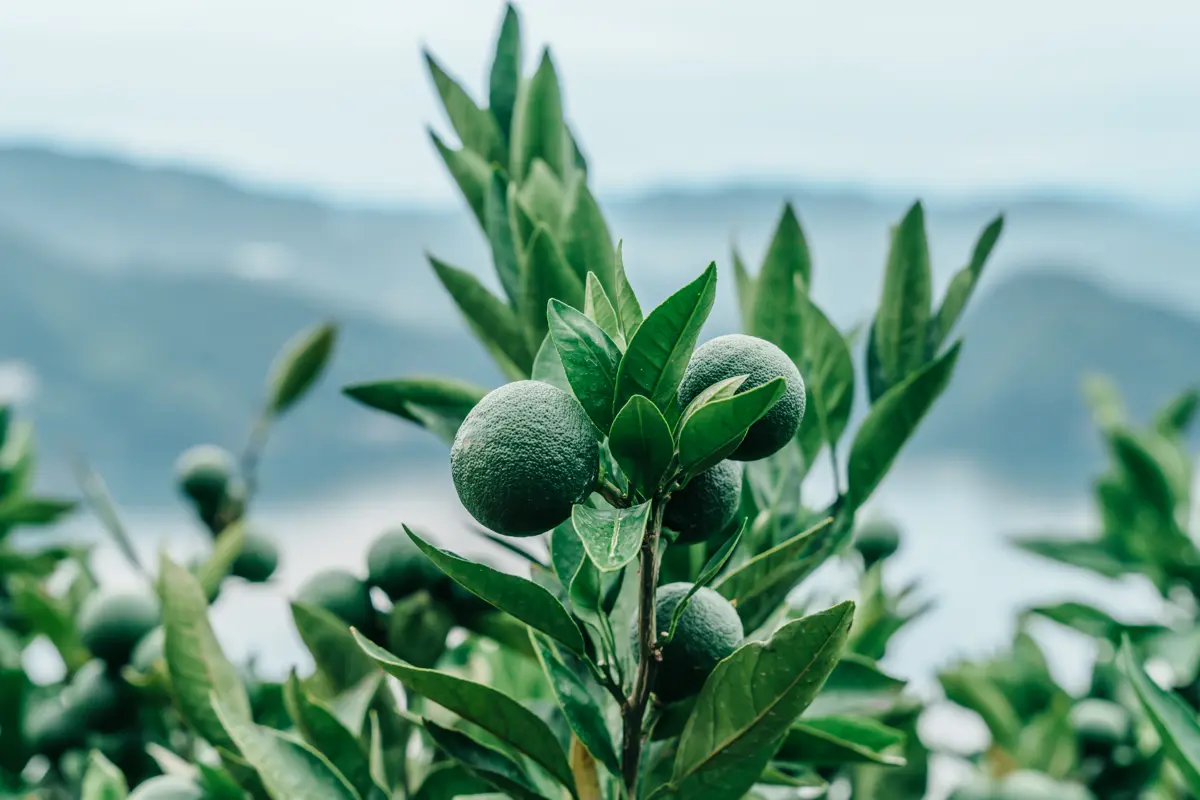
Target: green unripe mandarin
x,y
168,787
397,566
112,624
467,606
708,631
737,354
523,456
341,594
99,698
706,505
51,729
258,560
203,472
877,540
149,651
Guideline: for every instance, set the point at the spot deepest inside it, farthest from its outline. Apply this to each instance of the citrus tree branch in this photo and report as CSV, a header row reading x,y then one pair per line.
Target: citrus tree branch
x,y
634,711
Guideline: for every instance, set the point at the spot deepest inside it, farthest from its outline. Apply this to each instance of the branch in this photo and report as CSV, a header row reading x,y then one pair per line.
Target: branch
x,y
634,712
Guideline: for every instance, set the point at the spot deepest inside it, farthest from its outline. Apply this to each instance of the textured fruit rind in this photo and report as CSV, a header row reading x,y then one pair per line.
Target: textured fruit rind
x,y
706,505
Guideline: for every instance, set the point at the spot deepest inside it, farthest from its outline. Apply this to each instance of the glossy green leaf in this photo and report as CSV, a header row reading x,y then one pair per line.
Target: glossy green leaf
x,y
537,129
833,741
338,660
640,440
440,404
103,781
219,783
226,548
745,285
1146,467
629,310
890,423
476,128
589,359
494,324
611,536
543,196
786,273
470,171
18,510
710,394
750,701
587,243
497,224
1175,722
494,711
579,700
196,663
599,309
548,367
1093,621
760,585
299,365
708,572
504,78
517,596
901,324
658,354
545,277
351,706
963,283
486,763
829,371
288,768
321,728
446,780
715,430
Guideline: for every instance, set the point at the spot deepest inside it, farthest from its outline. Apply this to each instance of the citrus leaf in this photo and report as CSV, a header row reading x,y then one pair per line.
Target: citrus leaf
x,y
711,568
289,769
901,324
658,353
1174,721
440,404
18,510
1093,621
299,365
504,79
587,244
750,701
1177,415
718,391
600,310
494,711
321,728
628,309
198,667
786,272
548,367
611,536
494,324
890,423
470,172
227,547
640,440
517,596
1089,554
745,285
833,741
589,359
543,196
580,703
963,283
449,779
537,128
715,429
497,224
103,781
829,371
332,647
545,277
486,763
759,586
476,128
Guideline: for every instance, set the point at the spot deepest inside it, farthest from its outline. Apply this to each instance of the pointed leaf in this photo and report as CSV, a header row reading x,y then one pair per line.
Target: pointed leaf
x,y
495,712
476,128
964,282
548,367
537,129
18,510
890,423
641,442
485,763
710,394
440,404
227,547
600,310
901,325
544,197
497,223
1176,417
658,354
1175,722
716,429
629,311
328,639
834,741
580,703
196,663
587,244
1086,554
491,320
589,359
786,272
744,283
322,729
757,587
505,76
546,277
470,172
519,597
289,769
611,536
750,701
708,572
829,373
299,365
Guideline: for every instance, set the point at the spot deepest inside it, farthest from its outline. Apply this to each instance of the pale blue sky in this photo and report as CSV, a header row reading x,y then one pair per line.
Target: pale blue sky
x,y
929,95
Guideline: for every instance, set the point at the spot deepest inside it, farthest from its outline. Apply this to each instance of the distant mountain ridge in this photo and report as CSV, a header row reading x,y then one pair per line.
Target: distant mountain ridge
x,y
148,303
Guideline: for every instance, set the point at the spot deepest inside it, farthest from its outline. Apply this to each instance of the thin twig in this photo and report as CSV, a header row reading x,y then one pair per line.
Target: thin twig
x,y
634,712
833,463
611,494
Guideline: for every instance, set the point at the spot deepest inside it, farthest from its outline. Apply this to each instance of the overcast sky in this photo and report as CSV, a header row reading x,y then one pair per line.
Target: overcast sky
x,y
940,95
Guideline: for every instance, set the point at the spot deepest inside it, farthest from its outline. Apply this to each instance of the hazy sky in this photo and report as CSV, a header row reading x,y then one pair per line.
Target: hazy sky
x,y
930,94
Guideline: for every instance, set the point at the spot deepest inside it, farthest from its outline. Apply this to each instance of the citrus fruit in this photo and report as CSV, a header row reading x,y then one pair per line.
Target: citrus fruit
x,y
258,560
397,566
706,505
341,594
112,623
877,540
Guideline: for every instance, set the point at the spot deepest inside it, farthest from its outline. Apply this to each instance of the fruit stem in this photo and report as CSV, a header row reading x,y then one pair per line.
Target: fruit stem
x,y
611,494
634,711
